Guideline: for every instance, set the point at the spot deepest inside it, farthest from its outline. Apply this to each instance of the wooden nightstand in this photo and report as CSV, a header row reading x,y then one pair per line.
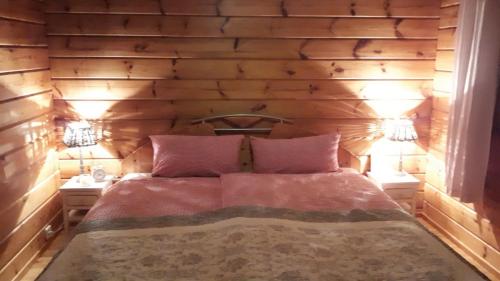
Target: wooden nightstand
x,y
402,189
78,199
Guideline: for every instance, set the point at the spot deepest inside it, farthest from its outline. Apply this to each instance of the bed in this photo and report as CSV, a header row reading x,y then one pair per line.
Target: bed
x,y
247,226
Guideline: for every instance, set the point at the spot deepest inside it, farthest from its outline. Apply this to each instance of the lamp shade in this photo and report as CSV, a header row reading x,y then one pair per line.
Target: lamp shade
x,y
401,130
79,134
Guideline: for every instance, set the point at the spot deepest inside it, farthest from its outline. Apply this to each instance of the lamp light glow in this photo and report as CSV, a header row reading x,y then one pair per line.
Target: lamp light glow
x,y
79,134
401,130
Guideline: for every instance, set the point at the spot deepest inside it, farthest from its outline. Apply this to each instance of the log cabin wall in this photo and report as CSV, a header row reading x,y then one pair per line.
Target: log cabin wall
x,y
469,225
142,67
28,162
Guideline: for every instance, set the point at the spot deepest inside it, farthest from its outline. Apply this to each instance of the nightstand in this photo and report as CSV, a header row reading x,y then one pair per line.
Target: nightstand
x,y
77,199
402,189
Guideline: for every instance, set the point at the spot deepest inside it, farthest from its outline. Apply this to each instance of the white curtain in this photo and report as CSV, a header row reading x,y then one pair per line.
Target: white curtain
x,y
473,98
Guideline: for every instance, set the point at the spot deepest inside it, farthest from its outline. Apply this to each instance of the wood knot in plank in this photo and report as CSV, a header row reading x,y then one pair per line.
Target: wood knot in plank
x,y
359,45
141,47
162,9
387,8
236,43
313,88
220,91
397,22
258,107
226,21
126,22
217,8
303,56
283,9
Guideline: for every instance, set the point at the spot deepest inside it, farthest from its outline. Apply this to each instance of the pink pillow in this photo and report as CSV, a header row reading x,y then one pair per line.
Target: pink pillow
x,y
316,154
188,156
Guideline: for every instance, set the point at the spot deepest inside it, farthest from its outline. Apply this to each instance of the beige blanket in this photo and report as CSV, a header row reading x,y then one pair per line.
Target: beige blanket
x,y
251,243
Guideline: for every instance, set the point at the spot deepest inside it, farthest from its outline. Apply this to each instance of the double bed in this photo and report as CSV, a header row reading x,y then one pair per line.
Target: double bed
x,y
251,226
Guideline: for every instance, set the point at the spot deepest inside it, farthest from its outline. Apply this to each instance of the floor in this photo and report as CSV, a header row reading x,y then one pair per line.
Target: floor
x,y
52,249
64,237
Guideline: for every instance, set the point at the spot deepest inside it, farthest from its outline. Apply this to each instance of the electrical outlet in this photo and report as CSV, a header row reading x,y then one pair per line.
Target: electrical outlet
x,y
48,232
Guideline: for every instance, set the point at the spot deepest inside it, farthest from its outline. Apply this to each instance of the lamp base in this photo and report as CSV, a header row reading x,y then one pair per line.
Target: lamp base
x,y
85,180
401,173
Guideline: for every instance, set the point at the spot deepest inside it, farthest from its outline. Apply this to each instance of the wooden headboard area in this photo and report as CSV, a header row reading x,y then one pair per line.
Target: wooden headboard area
x,y
141,160
147,67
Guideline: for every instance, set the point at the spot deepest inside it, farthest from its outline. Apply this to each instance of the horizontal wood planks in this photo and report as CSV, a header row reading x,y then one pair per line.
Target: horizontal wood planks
x,y
241,27
195,69
326,64
464,223
151,109
23,84
18,33
23,59
253,8
239,48
28,161
23,10
74,89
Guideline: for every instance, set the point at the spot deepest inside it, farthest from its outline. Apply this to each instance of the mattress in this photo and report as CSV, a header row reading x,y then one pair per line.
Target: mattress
x,y
333,226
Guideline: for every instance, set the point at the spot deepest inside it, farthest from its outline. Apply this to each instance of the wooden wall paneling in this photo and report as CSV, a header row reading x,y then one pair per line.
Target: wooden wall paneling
x,y
105,149
23,10
147,47
483,253
438,131
445,60
237,69
239,89
443,81
13,243
436,172
446,39
449,15
441,101
25,256
150,109
461,222
17,160
17,33
357,137
19,210
128,129
291,8
25,133
22,182
23,59
446,3
22,84
28,162
469,219
241,27
23,109
182,60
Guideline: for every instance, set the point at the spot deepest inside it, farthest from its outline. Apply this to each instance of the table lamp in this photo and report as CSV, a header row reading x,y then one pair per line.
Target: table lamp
x,y
79,134
401,130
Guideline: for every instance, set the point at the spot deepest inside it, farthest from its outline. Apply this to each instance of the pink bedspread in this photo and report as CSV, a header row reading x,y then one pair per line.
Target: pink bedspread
x,y
344,190
149,197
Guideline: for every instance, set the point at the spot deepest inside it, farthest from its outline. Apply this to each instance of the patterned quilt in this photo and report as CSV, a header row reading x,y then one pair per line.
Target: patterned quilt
x,y
259,243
